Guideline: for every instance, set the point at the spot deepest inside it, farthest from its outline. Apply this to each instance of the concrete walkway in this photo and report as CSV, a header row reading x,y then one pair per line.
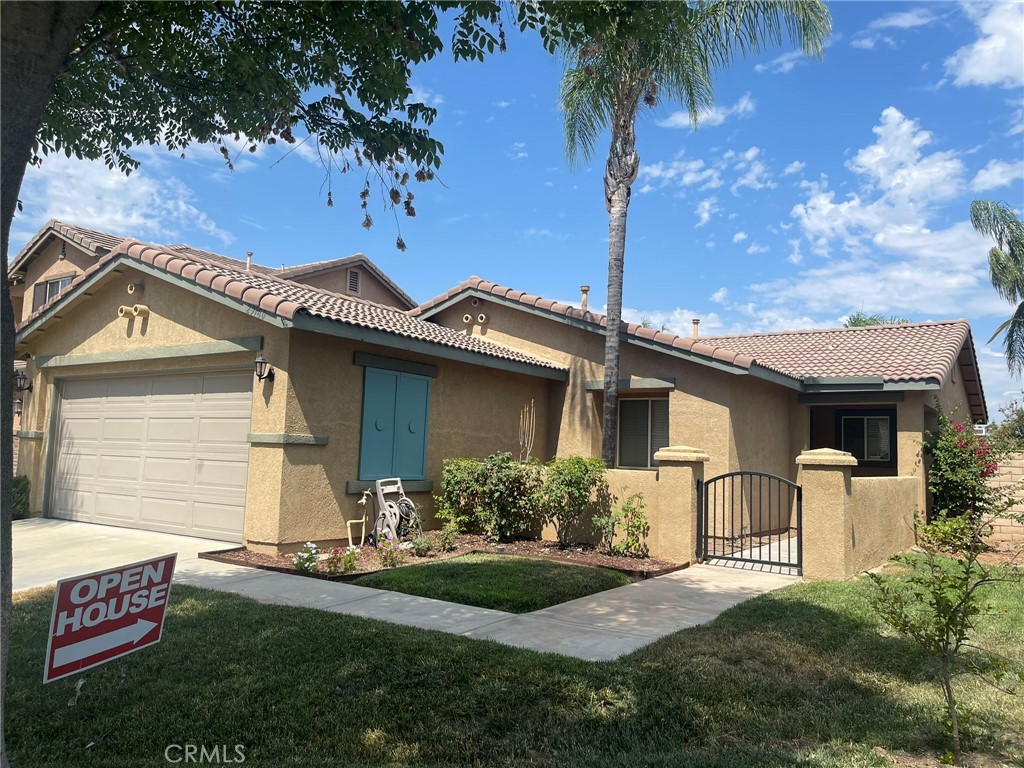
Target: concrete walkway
x,y
598,627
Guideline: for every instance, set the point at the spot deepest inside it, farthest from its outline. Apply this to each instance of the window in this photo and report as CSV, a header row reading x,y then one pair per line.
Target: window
x,y
353,281
394,433
869,435
43,292
643,431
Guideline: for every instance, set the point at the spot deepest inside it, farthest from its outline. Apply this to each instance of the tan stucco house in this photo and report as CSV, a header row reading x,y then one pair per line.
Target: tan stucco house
x,y
145,410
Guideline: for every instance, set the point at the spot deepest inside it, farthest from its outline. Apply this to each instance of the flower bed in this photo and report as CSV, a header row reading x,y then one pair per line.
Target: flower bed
x,y
369,558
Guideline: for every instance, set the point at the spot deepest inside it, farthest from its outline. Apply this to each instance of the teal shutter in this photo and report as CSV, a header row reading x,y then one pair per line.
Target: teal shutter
x,y
411,427
395,419
377,444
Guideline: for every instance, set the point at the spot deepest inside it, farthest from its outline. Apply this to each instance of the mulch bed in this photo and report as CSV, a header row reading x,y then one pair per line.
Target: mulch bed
x,y
369,562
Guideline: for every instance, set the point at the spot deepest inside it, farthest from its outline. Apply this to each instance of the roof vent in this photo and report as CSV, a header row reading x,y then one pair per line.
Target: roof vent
x,y
696,327
353,281
248,261
584,289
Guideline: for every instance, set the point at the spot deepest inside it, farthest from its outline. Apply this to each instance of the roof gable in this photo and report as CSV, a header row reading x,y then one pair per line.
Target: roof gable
x,y
323,267
89,240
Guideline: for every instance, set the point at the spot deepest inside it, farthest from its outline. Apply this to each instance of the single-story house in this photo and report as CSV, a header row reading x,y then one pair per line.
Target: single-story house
x,y
154,418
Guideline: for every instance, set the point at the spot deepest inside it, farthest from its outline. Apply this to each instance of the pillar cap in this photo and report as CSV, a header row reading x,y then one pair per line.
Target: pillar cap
x,y
681,453
829,457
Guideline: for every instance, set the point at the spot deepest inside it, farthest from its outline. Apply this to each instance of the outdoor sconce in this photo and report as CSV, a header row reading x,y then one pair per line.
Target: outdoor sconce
x,y
21,381
17,408
263,369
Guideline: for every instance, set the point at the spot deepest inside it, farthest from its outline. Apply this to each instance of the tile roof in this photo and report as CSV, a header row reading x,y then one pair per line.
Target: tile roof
x,y
894,353
322,266
289,300
91,240
218,258
915,352
697,347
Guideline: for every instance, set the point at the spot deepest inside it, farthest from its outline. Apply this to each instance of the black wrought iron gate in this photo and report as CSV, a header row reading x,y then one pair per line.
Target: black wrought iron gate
x,y
750,517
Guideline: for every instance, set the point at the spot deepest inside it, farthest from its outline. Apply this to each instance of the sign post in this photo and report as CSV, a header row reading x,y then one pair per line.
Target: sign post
x,y
107,614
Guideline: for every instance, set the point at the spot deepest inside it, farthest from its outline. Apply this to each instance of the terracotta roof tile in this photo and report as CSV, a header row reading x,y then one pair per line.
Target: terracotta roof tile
x,y
287,299
293,273
913,352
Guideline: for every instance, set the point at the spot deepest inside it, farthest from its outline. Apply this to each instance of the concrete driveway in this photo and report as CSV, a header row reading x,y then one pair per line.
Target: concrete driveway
x,y
48,550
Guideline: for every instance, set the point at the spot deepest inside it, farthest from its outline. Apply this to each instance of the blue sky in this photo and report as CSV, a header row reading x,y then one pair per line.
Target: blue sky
x,y
812,190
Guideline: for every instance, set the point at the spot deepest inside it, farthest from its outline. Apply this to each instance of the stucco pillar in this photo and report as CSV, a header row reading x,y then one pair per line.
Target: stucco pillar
x,y
674,537
824,475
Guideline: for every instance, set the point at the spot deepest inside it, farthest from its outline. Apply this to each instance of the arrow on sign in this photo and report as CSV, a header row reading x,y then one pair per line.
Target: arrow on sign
x,y
86,648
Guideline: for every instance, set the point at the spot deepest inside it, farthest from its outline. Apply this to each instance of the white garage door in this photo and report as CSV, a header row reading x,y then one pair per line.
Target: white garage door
x,y
165,453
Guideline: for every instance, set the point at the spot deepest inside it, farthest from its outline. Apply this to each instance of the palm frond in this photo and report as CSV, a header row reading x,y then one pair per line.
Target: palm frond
x,y
1006,275
585,109
1013,342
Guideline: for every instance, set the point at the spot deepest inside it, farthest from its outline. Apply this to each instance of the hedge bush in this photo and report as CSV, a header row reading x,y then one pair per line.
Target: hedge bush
x,y
574,490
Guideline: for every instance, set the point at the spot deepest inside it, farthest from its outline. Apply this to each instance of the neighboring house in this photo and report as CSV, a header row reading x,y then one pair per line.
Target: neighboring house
x,y
145,410
60,252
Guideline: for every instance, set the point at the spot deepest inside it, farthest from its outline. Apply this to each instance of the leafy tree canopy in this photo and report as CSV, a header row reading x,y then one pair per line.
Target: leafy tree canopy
x,y
174,73
863,319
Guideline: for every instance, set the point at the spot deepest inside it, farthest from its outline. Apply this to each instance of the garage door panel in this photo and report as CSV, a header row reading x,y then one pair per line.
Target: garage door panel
x,y
166,453
120,507
216,518
167,470
159,511
119,468
221,474
172,430
224,430
127,430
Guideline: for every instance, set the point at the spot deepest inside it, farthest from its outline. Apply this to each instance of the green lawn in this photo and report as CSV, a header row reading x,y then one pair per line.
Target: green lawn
x,y
501,582
798,677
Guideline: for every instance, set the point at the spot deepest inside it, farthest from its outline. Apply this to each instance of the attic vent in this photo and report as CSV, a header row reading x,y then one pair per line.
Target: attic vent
x,y
353,281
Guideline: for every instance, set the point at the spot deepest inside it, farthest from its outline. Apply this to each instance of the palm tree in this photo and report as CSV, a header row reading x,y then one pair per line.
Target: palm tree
x,y
1006,268
660,50
863,319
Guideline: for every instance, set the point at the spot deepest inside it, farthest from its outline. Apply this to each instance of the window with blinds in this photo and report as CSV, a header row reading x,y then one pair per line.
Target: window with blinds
x,y
643,431
868,438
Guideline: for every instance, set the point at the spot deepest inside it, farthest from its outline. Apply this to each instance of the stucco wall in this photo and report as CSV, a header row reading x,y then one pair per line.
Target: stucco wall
x,y
474,411
48,265
336,281
741,422
881,519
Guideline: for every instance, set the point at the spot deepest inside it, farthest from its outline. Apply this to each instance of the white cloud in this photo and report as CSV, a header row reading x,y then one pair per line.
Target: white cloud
x,y
739,237
720,295
539,233
755,177
144,205
997,174
783,64
706,209
997,56
424,95
756,248
795,253
795,167
683,172
517,151
864,43
918,17
716,115
503,104
678,321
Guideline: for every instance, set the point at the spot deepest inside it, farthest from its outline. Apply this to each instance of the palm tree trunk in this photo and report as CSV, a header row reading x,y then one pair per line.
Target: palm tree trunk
x,y
35,39
620,173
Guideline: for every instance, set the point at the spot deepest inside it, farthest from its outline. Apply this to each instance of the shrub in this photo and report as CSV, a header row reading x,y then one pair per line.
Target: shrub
x,y
631,516
447,537
422,545
333,560
573,487
497,497
340,560
389,550
307,559
962,463
19,491
349,559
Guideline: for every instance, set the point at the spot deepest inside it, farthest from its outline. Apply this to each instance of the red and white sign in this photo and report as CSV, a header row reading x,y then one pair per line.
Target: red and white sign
x,y
106,615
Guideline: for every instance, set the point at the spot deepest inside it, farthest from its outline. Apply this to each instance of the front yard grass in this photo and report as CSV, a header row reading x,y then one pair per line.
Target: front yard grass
x,y
801,676
501,582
